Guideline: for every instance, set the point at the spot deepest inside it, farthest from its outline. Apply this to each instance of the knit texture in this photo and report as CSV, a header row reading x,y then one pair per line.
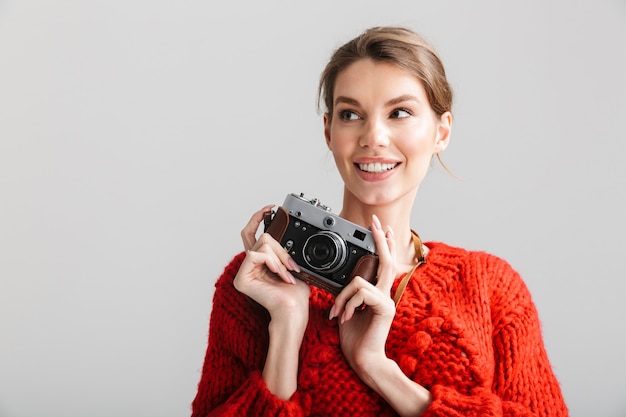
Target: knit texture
x,y
466,328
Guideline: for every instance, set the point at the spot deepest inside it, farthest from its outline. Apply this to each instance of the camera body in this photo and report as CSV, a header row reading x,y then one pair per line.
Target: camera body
x,y
330,250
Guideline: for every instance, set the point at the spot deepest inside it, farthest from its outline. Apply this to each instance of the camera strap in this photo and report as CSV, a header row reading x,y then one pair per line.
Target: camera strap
x,y
420,258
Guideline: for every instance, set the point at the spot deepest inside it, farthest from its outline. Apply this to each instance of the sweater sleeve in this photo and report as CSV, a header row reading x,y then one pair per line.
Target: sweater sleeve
x,y
523,381
231,382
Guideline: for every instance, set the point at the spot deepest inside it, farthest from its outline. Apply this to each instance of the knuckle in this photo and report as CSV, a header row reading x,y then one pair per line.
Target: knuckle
x,y
265,238
359,283
263,247
237,283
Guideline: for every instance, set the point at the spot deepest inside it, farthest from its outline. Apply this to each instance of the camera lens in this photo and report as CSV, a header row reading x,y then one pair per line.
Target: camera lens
x,y
325,251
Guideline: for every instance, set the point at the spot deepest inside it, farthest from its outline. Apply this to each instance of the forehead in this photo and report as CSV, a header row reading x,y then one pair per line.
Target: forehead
x,y
368,79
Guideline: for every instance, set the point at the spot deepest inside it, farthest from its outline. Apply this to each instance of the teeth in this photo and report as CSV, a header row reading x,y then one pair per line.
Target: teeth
x,y
376,167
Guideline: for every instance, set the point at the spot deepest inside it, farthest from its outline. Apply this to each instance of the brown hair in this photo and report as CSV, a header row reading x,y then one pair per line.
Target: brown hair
x,y
396,45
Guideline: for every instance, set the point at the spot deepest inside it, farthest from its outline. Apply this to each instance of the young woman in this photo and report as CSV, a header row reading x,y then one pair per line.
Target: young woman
x,y
461,338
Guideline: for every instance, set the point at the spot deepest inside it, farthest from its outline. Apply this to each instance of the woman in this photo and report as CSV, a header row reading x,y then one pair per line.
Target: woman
x,y
464,337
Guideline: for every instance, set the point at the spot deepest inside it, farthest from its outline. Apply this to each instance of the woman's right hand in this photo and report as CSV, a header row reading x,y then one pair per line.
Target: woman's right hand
x,y
265,274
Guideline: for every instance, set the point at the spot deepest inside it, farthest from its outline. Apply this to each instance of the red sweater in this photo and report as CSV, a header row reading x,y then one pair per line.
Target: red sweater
x,y
466,329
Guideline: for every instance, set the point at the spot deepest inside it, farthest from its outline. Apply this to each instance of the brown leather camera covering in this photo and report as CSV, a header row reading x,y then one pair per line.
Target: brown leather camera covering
x,y
366,267
276,225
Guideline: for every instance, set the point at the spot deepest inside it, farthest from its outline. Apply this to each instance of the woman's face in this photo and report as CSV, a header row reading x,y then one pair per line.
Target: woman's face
x,y
383,132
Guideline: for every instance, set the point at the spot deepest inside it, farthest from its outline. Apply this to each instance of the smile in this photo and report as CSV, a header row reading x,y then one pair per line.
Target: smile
x,y
376,167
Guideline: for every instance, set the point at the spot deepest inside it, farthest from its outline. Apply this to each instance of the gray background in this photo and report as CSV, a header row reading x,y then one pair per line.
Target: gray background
x,y
137,137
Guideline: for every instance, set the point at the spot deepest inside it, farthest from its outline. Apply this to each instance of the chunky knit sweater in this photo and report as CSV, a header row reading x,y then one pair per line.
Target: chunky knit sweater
x,y
465,328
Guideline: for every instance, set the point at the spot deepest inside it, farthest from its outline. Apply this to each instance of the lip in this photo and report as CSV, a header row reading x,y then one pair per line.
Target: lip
x,y
375,160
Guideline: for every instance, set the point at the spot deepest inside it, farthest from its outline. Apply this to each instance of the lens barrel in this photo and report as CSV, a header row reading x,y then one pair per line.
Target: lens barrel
x,y
325,251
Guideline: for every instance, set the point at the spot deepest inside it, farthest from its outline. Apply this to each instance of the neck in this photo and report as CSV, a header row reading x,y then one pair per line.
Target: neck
x,y
396,215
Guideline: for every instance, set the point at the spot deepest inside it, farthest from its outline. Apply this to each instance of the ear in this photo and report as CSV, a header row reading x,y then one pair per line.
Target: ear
x,y
444,128
327,129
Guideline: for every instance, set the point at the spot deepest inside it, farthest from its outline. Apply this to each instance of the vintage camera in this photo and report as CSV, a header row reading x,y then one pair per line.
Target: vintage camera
x,y
330,250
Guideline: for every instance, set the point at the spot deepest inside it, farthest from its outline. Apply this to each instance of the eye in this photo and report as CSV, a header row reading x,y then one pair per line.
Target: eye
x,y
401,113
348,115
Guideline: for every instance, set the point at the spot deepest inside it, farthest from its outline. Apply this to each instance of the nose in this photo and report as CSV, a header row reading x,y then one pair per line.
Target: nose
x,y
374,135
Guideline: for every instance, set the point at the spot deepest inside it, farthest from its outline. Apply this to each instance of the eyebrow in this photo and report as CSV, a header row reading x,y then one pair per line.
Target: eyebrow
x,y
346,100
393,101
403,98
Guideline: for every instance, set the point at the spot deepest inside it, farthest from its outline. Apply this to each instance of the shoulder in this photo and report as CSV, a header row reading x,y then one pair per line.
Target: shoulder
x,y
480,272
226,295
492,271
443,255
230,270
228,301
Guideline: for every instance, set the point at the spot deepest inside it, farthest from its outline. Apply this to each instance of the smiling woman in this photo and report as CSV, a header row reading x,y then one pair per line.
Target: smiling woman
x,y
463,339
381,116
137,138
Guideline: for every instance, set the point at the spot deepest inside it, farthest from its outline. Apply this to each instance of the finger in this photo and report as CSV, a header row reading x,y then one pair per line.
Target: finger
x,y
281,253
265,255
248,233
355,302
347,294
385,246
274,265
387,267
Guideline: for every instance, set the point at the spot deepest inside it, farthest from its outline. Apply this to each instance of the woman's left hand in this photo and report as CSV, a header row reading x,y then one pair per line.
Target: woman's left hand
x,y
363,332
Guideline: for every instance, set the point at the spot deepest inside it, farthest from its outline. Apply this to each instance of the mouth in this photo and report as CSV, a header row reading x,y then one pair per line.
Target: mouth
x,y
376,167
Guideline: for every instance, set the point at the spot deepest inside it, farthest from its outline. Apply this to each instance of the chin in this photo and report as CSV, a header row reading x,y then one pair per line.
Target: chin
x,y
374,197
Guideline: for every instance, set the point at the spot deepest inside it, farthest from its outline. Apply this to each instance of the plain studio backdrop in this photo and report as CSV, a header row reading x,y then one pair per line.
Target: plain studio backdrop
x,y
137,137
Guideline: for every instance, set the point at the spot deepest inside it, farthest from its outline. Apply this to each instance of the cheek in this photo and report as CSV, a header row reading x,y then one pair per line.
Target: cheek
x,y
421,141
418,147
338,149
338,144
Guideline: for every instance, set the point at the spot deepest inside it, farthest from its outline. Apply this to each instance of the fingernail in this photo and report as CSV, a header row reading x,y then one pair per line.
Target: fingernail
x,y
377,224
332,312
291,277
293,265
390,231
